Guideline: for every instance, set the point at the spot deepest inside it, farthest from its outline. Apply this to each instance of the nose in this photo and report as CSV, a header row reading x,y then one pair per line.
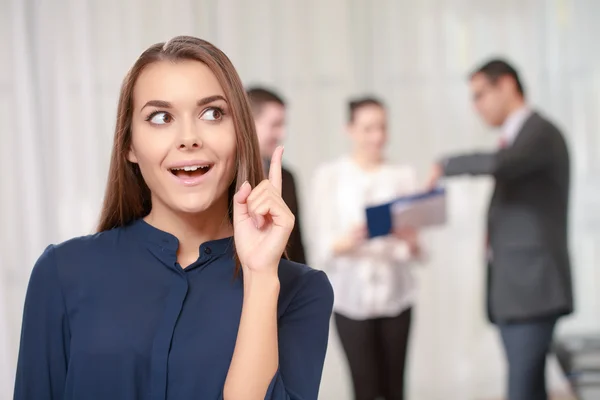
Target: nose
x,y
189,139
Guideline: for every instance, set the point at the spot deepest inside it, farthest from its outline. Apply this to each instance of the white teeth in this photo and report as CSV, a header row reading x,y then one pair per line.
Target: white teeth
x,y
190,168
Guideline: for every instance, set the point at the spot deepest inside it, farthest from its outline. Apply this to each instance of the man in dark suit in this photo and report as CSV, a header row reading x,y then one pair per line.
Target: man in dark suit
x,y
269,116
529,272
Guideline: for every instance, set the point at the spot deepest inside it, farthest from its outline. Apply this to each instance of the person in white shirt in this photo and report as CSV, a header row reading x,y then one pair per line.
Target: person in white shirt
x,y
373,286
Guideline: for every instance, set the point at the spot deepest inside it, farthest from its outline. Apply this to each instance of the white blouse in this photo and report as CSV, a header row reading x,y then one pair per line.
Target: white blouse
x,y
374,280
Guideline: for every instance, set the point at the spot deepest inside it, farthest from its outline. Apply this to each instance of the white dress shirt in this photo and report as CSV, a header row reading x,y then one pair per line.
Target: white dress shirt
x,y
513,124
374,280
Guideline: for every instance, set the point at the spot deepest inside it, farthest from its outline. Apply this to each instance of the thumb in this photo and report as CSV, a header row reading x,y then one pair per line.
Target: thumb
x,y
240,207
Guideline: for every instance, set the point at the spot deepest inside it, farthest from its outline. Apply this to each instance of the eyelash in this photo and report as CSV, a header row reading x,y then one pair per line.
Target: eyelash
x,y
220,110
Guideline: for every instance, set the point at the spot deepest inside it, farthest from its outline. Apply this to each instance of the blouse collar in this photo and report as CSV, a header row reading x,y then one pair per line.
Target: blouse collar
x,y
166,241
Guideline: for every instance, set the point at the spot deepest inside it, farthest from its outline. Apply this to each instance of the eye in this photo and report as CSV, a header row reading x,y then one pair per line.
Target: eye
x,y
212,114
160,118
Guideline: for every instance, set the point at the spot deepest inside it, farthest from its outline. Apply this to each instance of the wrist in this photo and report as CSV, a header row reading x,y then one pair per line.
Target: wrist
x,y
441,165
261,281
340,247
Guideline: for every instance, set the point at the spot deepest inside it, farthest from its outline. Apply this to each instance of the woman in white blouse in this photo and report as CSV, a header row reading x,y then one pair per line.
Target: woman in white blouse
x,y
374,289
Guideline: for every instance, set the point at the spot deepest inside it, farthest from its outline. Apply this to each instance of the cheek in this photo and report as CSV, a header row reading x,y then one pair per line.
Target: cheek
x,y
226,148
150,149
280,132
260,131
375,137
483,107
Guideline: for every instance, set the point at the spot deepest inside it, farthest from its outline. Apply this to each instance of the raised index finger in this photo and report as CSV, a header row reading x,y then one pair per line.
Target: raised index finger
x,y
275,169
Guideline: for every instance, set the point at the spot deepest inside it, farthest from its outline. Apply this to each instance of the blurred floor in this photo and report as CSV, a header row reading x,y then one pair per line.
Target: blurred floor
x,y
555,397
335,384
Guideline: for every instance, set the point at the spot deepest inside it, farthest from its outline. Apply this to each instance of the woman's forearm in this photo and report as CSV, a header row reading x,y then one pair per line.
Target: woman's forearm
x,y
255,357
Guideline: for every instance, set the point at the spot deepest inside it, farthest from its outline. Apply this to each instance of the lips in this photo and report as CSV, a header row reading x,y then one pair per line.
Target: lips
x,y
190,171
190,174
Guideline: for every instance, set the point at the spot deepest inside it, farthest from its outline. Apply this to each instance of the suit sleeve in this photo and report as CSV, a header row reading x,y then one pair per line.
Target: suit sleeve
x,y
530,153
296,246
45,335
303,336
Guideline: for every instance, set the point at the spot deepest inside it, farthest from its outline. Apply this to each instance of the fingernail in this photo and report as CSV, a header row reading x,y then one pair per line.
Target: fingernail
x,y
242,186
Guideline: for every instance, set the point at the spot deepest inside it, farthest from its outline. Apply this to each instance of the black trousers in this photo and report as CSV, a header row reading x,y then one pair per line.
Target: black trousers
x,y
376,352
526,345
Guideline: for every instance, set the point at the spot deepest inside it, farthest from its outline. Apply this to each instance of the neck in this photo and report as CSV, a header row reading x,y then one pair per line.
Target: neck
x,y
515,105
366,162
192,229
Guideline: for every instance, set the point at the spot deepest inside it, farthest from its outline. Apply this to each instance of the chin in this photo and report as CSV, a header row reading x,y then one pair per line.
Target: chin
x,y
493,122
269,152
195,204
190,209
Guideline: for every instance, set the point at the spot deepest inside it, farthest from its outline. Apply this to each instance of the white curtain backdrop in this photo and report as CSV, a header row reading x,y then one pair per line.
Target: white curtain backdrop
x,y
61,65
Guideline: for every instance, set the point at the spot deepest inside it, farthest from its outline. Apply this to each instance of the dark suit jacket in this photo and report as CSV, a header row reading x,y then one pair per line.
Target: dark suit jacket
x,y
295,248
529,275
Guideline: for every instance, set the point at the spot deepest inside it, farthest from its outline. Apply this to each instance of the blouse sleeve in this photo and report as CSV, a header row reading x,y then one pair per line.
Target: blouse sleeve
x,y
45,336
303,336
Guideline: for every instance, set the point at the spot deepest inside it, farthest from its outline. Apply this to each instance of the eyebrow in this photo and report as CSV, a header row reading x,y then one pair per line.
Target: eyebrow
x,y
202,102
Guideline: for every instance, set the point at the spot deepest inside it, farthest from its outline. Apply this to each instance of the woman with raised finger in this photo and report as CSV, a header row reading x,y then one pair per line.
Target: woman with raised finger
x,y
183,292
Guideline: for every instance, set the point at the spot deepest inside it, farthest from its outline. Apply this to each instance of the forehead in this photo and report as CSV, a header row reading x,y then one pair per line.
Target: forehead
x,y
174,82
368,112
479,81
272,110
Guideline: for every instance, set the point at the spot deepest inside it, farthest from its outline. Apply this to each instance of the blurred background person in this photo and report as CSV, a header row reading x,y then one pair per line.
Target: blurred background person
x,y
269,116
373,286
529,271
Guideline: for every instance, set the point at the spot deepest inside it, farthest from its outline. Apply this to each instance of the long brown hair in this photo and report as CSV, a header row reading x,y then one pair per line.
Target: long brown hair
x,y
127,197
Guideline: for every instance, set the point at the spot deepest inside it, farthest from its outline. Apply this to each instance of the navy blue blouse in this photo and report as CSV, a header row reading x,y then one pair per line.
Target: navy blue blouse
x,y
114,316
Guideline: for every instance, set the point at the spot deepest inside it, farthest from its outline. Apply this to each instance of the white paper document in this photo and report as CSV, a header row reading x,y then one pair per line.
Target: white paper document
x,y
420,211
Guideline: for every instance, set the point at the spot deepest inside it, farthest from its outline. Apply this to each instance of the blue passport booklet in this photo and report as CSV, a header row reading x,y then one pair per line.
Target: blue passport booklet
x,y
420,210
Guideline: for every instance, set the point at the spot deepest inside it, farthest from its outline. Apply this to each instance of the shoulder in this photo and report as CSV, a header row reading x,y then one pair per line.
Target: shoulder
x,y
541,123
61,263
401,170
85,246
287,180
44,269
286,173
401,175
69,257
301,285
543,130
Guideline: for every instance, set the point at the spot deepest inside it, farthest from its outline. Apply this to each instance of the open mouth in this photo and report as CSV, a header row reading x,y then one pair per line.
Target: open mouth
x,y
191,171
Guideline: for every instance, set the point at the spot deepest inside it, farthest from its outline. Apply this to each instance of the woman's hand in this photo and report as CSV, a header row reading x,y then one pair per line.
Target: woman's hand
x,y
411,237
349,242
262,222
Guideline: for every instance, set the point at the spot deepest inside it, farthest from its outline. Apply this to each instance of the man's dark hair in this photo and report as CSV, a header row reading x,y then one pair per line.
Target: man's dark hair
x,y
358,103
497,68
260,96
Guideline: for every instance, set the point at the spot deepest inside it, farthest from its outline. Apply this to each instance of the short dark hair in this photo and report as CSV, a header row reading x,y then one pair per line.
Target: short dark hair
x,y
259,96
497,68
355,104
